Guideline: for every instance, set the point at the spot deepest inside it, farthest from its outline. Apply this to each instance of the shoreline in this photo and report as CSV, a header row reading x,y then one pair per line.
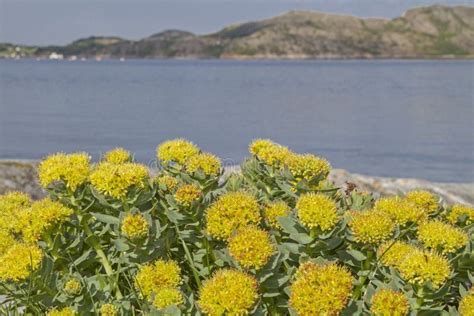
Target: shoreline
x,y
20,174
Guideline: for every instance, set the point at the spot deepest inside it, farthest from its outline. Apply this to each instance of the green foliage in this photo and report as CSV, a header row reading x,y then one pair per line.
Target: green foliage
x,y
91,247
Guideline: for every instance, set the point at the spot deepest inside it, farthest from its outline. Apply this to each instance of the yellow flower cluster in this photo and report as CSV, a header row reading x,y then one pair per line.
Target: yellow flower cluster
x,y
135,226
251,247
423,200
389,302
257,145
187,194
228,292
118,156
415,265
115,180
177,151
274,210
421,267
393,255
207,163
441,236
153,277
316,210
320,289
269,152
371,227
308,166
167,297
231,211
72,287
19,261
73,169
6,240
66,311
12,205
466,306
400,210
41,217
108,309
169,182
458,211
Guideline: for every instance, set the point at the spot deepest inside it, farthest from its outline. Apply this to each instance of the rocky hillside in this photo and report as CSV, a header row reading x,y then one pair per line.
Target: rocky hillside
x,y
425,32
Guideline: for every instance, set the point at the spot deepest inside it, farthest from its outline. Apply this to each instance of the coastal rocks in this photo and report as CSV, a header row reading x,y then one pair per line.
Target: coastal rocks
x,y
21,175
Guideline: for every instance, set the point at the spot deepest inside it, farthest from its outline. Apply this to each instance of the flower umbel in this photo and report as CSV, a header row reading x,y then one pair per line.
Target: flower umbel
x,y
73,169
393,253
400,210
228,292
108,309
135,226
12,206
461,213
371,227
161,274
115,180
66,311
251,247
207,163
167,297
19,261
187,194
168,182
423,200
466,306
441,236
177,150
320,289
307,166
389,302
231,211
274,210
72,287
118,156
316,210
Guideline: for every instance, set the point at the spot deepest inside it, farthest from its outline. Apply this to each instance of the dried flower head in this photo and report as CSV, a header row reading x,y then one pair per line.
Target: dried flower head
x,y
274,210
400,210
307,166
251,247
177,150
66,311
115,180
135,226
161,274
316,210
187,194
441,236
466,306
228,292
423,200
231,211
389,302
19,261
320,289
108,309
421,267
207,163
170,183
118,156
43,216
72,287
72,169
461,214
167,297
371,227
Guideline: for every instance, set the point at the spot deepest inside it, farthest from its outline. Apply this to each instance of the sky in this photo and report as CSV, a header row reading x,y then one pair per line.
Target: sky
x,y
58,22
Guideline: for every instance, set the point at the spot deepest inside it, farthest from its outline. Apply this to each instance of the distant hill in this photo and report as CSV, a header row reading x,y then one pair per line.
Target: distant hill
x,y
425,32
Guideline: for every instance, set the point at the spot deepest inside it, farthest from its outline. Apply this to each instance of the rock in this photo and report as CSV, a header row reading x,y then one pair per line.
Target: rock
x,y
21,175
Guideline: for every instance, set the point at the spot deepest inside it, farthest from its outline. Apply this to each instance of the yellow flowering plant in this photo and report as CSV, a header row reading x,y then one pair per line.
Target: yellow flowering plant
x,y
115,237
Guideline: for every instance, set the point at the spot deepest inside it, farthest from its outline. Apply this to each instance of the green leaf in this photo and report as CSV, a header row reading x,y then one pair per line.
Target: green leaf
x,y
107,219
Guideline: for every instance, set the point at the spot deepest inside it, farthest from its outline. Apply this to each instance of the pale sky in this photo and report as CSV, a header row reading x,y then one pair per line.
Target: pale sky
x,y
43,22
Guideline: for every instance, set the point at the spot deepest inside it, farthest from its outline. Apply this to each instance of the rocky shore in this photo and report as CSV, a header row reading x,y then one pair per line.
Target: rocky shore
x,y
21,175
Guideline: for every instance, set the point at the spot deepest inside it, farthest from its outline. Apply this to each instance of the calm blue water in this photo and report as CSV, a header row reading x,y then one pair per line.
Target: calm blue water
x,y
388,118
